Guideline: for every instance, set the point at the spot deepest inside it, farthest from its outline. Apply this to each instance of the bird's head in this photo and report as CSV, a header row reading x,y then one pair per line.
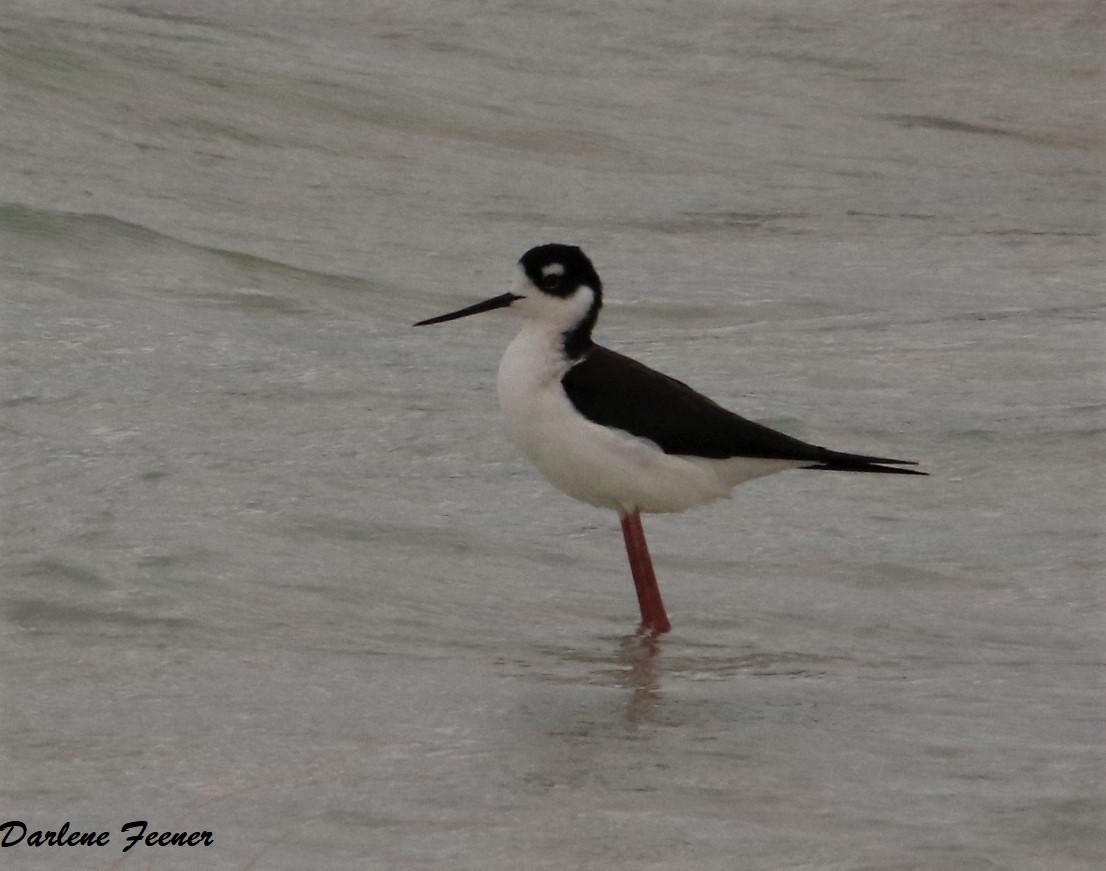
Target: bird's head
x,y
556,285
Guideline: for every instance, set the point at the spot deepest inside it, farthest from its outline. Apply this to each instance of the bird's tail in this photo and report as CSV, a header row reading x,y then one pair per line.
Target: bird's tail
x,y
835,461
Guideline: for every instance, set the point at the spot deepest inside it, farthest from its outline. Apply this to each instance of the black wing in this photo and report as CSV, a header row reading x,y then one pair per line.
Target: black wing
x,y
610,389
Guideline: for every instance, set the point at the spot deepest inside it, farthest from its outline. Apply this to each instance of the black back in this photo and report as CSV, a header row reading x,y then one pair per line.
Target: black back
x,y
613,390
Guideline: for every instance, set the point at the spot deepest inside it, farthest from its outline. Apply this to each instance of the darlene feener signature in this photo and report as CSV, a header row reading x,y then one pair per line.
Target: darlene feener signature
x,y
15,832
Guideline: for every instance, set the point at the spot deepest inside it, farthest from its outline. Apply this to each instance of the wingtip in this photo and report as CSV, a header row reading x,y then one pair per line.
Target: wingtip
x,y
875,467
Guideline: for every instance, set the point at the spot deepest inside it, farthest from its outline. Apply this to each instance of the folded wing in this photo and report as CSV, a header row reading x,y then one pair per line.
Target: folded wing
x,y
613,390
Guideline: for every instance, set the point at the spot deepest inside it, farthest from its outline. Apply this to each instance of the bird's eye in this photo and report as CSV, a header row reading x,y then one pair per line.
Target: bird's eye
x,y
552,276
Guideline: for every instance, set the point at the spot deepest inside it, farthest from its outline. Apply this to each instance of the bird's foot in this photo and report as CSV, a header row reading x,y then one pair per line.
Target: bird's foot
x,y
652,628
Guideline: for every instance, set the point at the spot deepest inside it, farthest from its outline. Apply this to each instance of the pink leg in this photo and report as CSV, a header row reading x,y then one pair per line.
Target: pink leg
x,y
654,620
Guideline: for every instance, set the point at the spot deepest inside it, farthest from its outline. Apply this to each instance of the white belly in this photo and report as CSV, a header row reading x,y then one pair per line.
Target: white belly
x,y
601,466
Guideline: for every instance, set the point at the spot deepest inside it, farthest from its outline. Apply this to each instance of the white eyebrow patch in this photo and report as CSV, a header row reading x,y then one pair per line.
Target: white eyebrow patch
x,y
552,269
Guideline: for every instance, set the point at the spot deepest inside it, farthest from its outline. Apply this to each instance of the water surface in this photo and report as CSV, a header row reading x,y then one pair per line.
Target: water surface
x,y
271,567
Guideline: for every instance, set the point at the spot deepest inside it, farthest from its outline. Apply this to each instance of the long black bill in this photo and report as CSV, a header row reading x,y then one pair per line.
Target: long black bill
x,y
487,305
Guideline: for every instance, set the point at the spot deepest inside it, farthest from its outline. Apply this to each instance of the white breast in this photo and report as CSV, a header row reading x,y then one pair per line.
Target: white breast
x,y
605,467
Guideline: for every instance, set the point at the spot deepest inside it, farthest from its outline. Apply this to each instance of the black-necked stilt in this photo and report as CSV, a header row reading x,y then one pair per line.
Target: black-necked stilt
x,y
616,434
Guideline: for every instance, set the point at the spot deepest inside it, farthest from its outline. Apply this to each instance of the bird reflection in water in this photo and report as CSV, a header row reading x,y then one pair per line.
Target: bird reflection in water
x,y
640,655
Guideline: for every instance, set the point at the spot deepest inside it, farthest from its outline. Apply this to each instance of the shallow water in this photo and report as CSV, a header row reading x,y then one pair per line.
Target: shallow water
x,y
272,569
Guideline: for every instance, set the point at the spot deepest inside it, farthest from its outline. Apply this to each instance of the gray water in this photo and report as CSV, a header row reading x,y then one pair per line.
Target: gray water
x,y
272,569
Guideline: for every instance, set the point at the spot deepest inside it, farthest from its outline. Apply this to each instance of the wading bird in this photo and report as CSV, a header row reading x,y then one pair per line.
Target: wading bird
x,y
614,433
